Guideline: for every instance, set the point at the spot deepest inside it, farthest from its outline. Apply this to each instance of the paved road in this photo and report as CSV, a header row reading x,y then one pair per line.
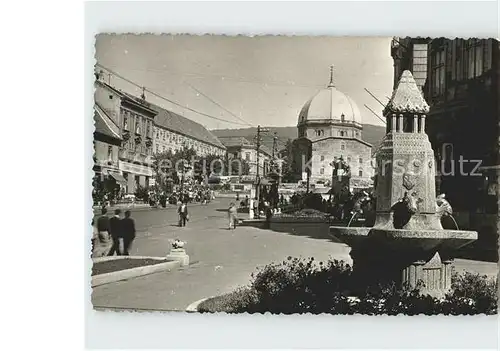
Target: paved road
x,y
221,260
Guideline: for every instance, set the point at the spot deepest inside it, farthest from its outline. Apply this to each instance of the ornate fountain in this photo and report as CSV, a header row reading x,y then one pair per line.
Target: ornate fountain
x,y
407,244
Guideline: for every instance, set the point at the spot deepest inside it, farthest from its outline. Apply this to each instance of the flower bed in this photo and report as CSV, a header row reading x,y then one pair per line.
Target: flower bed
x,y
305,286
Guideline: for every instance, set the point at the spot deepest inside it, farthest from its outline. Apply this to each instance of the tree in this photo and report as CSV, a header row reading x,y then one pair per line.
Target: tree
x,y
288,169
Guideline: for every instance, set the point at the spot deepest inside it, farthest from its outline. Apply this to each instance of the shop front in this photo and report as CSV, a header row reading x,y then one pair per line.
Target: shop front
x,y
134,176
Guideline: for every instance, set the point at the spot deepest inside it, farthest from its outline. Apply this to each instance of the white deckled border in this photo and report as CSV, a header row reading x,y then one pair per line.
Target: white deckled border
x,y
125,274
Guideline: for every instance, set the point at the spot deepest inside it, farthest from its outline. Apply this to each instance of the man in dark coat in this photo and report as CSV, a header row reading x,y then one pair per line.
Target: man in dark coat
x,y
116,232
183,214
128,232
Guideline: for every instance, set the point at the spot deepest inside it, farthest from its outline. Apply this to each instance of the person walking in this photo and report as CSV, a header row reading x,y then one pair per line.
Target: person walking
x,y
183,214
101,242
233,215
116,233
128,232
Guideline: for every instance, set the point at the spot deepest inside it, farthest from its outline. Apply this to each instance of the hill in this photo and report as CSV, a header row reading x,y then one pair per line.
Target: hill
x,y
371,133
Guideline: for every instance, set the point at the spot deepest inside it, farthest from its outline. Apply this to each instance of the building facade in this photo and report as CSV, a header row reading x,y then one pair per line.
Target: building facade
x,y
173,132
329,126
242,148
107,143
462,89
134,119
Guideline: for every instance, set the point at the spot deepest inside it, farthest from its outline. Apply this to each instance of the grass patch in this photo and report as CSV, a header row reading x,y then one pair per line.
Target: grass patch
x,y
122,264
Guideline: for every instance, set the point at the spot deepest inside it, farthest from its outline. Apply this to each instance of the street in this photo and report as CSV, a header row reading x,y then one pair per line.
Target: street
x,y
220,260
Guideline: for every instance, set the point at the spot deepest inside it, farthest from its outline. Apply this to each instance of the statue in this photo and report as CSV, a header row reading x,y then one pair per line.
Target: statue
x,y
340,167
443,207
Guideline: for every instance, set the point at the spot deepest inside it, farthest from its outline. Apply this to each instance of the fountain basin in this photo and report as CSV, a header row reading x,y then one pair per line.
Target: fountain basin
x,y
422,239
410,258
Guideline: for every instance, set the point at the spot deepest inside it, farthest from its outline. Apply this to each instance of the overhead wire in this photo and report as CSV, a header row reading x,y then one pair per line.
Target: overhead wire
x,y
218,104
162,97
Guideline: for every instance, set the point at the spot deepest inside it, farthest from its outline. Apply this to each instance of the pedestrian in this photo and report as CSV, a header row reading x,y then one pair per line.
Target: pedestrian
x,y
233,215
115,230
128,232
183,214
101,241
269,214
256,208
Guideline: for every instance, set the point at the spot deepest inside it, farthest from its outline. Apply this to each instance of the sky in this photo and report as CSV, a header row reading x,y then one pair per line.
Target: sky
x,y
252,80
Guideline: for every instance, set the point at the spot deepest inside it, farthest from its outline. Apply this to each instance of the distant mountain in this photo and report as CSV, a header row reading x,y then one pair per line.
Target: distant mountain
x,y
371,133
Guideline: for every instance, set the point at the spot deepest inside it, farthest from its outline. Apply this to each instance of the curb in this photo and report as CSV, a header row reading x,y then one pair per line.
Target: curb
x,y
112,277
192,308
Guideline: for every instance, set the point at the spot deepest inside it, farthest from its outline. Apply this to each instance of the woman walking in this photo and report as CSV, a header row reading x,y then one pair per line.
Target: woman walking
x,y
233,215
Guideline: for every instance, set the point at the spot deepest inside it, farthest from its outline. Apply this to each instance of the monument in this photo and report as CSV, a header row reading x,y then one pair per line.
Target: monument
x,y
407,245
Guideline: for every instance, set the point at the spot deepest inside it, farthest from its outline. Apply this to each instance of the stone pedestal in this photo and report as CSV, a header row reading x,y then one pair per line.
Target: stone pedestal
x,y
179,255
433,277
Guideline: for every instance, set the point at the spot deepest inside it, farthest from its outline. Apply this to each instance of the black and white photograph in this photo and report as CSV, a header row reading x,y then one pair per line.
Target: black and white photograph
x,y
295,174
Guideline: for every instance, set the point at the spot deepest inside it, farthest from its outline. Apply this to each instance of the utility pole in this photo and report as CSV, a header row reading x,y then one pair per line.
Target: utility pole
x,y
259,131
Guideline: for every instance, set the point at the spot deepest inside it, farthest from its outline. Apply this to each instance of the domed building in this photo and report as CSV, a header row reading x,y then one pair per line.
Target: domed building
x,y
329,127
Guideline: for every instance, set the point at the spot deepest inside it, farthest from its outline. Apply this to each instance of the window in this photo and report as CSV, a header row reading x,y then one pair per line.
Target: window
x,y
322,171
341,133
458,70
322,158
360,160
125,120
138,125
348,159
360,173
110,152
478,69
438,72
247,156
157,134
342,147
357,134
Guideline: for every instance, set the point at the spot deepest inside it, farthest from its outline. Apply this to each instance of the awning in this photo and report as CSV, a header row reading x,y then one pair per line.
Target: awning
x,y
118,177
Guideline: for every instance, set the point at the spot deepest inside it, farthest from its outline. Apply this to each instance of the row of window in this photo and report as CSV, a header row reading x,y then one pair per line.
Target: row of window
x,y
174,138
342,133
360,160
132,145
463,59
360,172
137,123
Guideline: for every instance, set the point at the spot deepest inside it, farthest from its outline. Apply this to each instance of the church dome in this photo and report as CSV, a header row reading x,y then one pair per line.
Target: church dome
x,y
330,105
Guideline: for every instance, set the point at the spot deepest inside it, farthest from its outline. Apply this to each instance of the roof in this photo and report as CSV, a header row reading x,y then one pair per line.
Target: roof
x,y
174,122
332,105
231,141
182,125
101,125
407,97
237,141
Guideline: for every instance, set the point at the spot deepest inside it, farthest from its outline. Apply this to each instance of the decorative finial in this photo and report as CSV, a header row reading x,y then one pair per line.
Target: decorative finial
x,y
143,95
331,77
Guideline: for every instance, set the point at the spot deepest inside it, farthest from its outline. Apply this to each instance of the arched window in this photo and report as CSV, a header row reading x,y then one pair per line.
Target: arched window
x,y
322,158
360,173
342,146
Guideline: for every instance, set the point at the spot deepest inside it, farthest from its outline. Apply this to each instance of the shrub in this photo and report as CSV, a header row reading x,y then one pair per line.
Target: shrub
x,y
299,285
141,193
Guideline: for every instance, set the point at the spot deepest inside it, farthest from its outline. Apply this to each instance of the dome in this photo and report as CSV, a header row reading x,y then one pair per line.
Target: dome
x,y
330,104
